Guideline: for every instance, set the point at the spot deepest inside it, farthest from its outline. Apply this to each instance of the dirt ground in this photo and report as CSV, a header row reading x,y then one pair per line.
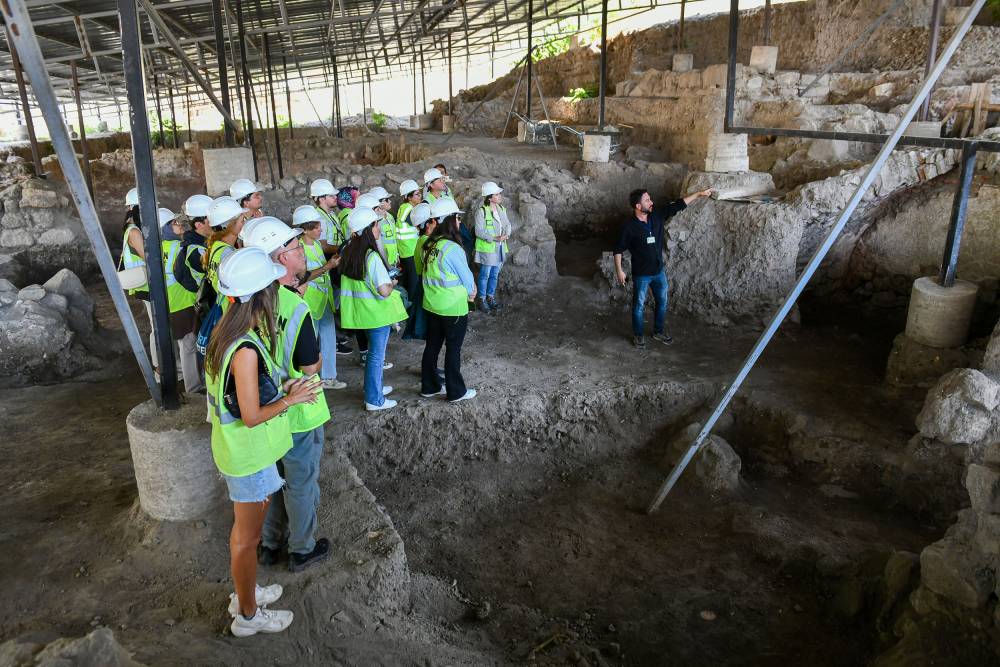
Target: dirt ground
x,y
524,527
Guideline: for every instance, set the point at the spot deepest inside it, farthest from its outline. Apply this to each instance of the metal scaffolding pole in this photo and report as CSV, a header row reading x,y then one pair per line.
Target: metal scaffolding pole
x,y
767,22
527,90
824,248
156,96
932,45
450,75
248,104
84,149
187,106
959,205
423,80
602,86
220,54
15,62
680,28
274,106
336,98
288,98
173,112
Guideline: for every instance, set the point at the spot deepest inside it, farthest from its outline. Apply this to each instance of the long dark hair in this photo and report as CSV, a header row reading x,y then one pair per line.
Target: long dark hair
x,y
446,229
131,218
354,255
239,318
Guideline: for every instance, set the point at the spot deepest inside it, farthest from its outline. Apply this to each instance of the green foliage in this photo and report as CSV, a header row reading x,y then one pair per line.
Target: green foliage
x,y
577,94
379,120
993,6
283,122
170,130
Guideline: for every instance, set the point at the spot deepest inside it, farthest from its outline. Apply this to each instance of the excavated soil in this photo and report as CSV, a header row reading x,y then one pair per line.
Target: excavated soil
x,y
521,513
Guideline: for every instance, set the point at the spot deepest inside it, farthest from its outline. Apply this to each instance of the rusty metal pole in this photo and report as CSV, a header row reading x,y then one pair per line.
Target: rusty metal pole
x,y
84,152
931,53
36,155
173,112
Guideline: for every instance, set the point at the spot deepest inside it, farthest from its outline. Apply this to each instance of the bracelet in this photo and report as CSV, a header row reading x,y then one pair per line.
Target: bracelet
x,y
287,406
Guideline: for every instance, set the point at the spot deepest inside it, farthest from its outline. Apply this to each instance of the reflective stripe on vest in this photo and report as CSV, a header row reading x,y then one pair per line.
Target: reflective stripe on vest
x,y
444,293
318,293
196,273
237,449
406,234
130,260
490,247
215,256
289,319
333,232
178,297
362,308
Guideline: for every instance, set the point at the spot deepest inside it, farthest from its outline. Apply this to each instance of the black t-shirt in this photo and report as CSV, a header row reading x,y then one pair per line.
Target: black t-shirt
x,y
306,352
647,258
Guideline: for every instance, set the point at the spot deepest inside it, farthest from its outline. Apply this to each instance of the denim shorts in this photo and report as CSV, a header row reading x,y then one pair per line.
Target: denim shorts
x,y
254,488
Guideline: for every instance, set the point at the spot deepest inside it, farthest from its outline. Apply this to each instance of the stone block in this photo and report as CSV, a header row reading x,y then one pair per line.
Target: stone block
x,y
728,185
959,408
983,484
883,90
39,198
787,78
690,80
948,568
596,148
940,316
16,238
925,128
714,76
682,62
31,293
447,124
425,121
225,165
60,236
727,152
991,359
191,145
764,59
954,15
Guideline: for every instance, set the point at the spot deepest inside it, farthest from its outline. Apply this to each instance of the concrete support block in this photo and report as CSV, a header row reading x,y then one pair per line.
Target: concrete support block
x,y
425,121
102,126
764,59
172,456
727,152
683,62
225,165
927,128
414,122
596,148
447,124
21,133
940,316
522,131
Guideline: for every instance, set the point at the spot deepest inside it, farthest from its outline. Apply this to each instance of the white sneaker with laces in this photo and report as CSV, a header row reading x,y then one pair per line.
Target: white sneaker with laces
x,y
265,595
440,392
265,620
389,403
333,384
386,389
469,393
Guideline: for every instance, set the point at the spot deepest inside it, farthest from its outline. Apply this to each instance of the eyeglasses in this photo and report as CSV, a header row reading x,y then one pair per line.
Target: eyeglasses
x,y
294,249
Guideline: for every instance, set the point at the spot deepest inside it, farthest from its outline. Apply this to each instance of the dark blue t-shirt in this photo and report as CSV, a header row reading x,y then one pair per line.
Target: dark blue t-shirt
x,y
647,258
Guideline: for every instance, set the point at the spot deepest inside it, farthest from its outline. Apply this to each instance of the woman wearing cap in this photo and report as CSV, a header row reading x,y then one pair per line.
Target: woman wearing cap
x,y
180,300
407,234
369,301
226,218
319,291
250,431
448,288
249,196
492,232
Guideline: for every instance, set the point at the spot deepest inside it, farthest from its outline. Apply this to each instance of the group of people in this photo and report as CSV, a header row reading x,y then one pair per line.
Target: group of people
x,y
254,306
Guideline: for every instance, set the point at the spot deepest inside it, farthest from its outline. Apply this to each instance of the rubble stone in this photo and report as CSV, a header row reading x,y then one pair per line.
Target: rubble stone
x,y
983,484
949,569
764,58
959,409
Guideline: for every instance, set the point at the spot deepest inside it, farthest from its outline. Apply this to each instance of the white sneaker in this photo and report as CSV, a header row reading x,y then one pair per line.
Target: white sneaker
x,y
440,392
265,595
386,365
265,620
386,389
469,393
333,384
389,403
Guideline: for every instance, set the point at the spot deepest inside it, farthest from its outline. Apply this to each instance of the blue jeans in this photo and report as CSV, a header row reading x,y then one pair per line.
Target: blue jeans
x,y
327,331
292,514
641,286
488,280
377,340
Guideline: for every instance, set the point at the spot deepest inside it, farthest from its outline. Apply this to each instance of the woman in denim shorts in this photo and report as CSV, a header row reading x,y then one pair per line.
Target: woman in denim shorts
x,y
248,437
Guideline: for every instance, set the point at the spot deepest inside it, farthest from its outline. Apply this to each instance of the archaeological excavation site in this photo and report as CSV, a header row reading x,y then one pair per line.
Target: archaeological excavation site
x,y
534,332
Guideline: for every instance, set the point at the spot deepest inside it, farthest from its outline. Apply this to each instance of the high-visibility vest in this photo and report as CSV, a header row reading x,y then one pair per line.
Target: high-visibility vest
x,y
418,254
290,316
362,307
333,231
239,450
406,234
178,297
430,198
216,254
493,229
342,215
388,225
130,260
319,292
444,293
195,266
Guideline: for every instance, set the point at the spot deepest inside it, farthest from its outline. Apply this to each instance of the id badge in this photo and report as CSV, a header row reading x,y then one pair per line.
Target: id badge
x,y
650,239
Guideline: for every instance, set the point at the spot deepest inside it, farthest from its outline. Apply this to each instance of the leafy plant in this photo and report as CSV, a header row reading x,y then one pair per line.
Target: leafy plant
x,y
170,130
283,122
379,120
577,94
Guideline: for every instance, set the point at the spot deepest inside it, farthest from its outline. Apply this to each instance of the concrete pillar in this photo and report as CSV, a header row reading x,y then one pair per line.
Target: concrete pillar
x,y
727,152
414,122
596,148
225,165
21,133
522,131
940,316
102,126
683,62
425,121
172,456
764,59
447,124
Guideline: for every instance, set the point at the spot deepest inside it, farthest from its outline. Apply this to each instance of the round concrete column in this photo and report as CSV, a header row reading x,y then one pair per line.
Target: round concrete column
x,y
172,456
447,124
940,316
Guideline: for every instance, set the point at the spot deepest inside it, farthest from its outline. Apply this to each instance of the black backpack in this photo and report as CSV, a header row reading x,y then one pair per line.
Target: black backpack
x,y
182,272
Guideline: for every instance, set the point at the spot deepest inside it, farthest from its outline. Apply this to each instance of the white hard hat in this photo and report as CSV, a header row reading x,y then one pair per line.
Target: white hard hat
x,y
132,198
269,234
360,218
420,214
490,188
379,192
197,206
247,271
444,207
165,216
408,186
432,175
304,214
321,187
243,188
247,229
367,200
223,210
